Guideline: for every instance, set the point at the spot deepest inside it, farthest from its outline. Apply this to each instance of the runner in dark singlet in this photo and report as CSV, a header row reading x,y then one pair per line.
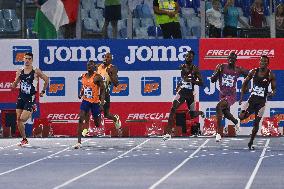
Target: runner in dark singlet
x,y
190,76
28,78
262,77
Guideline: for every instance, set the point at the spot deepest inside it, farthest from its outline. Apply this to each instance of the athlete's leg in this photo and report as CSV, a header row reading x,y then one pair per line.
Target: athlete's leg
x,y
258,115
19,124
25,115
223,104
229,116
108,115
83,116
191,108
179,99
245,112
96,114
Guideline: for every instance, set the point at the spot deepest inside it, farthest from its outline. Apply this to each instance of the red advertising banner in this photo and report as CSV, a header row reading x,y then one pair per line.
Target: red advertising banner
x,y
215,51
65,120
7,95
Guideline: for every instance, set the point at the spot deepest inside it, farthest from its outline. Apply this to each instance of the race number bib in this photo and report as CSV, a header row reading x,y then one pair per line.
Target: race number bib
x,y
258,91
88,93
186,85
26,88
228,80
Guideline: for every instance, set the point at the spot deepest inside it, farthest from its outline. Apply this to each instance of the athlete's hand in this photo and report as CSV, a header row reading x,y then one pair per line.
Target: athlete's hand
x,y
42,93
80,96
13,85
270,94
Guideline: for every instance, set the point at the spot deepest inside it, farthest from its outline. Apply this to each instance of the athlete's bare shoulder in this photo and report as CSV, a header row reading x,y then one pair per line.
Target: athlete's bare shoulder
x,y
98,77
18,71
37,70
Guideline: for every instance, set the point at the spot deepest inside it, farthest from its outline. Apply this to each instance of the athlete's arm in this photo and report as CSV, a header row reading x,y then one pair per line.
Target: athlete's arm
x,y
244,71
216,73
112,72
98,80
41,75
245,85
17,79
197,78
82,89
273,84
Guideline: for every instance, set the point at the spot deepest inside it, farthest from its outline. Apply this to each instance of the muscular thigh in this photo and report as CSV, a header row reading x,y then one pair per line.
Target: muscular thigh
x,y
180,96
190,101
25,115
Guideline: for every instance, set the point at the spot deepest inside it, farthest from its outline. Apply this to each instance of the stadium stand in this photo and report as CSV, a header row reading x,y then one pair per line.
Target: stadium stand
x,y
137,16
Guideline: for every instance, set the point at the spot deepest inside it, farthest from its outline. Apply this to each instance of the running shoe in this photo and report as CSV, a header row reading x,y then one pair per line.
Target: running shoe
x,y
225,130
238,127
77,146
250,146
118,122
167,137
218,137
24,142
84,132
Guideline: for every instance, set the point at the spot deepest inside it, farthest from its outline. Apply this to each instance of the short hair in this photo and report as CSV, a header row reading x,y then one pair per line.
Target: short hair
x,y
191,52
265,56
29,54
91,61
232,54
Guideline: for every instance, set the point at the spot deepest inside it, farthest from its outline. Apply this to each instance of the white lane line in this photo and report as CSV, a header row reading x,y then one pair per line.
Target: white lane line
x,y
249,183
2,148
179,166
38,160
98,167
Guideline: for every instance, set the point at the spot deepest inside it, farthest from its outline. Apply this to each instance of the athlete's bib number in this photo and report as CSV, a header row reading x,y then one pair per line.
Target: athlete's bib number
x,y
88,93
26,88
228,80
186,85
258,91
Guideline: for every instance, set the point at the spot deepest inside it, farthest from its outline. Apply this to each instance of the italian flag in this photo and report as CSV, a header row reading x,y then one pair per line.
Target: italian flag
x,y
52,15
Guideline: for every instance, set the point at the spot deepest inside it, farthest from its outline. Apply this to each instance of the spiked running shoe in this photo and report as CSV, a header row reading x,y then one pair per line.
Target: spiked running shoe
x,y
118,122
77,146
84,132
167,137
24,142
218,137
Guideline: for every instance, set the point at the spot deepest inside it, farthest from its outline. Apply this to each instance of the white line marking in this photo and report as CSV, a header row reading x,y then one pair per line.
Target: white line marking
x,y
98,167
2,148
179,166
33,162
249,183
